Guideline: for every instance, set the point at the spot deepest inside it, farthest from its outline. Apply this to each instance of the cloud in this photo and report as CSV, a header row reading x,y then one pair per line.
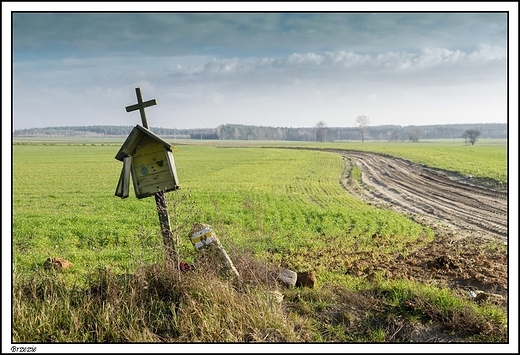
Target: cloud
x,y
488,52
321,69
223,66
329,67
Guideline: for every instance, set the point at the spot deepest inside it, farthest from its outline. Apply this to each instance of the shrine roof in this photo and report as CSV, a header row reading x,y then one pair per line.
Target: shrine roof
x,y
135,138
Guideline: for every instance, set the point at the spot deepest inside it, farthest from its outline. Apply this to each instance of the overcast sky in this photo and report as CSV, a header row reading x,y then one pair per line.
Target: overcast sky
x,y
287,69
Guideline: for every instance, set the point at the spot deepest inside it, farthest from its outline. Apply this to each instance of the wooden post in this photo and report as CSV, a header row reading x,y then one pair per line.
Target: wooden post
x,y
166,230
160,198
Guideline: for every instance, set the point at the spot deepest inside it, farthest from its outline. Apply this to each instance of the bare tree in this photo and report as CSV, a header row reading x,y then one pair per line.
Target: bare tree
x,y
321,131
471,135
363,122
394,135
414,134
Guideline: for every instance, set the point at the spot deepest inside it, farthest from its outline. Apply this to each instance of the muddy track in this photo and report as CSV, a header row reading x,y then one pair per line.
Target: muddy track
x,y
433,196
469,252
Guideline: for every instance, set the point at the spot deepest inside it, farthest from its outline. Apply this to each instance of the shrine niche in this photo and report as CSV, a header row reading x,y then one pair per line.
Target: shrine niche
x,y
148,159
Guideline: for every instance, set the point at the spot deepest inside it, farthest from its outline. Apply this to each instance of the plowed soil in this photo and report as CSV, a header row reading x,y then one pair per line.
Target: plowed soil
x,y
469,253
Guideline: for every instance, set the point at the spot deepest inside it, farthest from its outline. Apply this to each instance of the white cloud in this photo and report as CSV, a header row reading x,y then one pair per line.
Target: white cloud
x,y
488,52
304,59
223,66
431,57
347,59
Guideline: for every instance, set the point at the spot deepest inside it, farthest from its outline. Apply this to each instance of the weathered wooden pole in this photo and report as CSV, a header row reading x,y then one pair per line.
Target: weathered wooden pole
x,y
160,198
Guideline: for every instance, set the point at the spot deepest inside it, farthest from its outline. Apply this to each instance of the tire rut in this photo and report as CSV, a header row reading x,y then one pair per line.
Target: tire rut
x,y
433,194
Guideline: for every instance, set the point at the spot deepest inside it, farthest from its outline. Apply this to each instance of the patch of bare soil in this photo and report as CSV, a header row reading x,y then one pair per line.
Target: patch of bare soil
x,y
469,253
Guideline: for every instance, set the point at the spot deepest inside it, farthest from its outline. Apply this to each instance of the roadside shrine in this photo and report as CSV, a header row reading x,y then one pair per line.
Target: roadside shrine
x,y
148,159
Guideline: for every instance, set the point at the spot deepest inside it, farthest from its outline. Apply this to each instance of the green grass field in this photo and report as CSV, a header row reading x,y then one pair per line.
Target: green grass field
x,y
286,201
283,206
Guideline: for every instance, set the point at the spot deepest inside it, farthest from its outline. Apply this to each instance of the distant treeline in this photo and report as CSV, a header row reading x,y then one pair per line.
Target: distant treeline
x,y
318,133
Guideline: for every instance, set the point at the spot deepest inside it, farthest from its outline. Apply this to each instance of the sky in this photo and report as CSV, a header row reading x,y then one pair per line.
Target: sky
x,y
278,68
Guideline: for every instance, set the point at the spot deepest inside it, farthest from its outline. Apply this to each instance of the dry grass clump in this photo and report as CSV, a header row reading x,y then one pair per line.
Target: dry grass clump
x,y
157,303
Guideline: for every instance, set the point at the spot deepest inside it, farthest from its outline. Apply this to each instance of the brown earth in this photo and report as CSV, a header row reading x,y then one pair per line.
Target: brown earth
x,y
57,263
469,217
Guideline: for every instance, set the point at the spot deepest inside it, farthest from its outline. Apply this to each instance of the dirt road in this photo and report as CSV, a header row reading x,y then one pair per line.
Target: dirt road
x,y
469,253
438,196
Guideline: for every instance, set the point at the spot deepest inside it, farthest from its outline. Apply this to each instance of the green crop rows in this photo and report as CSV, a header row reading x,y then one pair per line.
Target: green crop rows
x,y
283,204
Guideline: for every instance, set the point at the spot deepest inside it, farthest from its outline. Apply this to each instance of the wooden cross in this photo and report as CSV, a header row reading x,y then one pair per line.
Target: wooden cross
x,y
140,105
